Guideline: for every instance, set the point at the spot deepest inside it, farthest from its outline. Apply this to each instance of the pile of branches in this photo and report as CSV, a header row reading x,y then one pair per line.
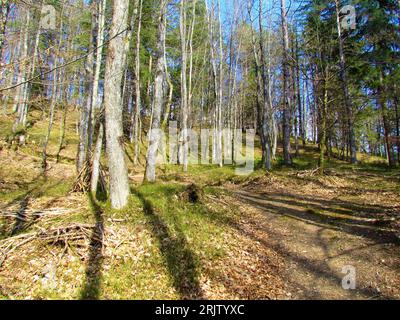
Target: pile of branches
x,y
63,236
35,214
83,181
307,173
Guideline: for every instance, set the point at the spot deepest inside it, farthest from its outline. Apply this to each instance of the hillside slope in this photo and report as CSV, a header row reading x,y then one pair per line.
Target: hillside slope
x,y
282,235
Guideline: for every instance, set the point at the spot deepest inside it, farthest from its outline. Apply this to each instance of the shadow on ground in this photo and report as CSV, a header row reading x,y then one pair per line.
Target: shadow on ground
x,y
23,218
298,210
180,260
354,219
93,273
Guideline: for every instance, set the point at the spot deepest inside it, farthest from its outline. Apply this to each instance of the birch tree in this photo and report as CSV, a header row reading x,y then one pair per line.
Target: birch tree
x,y
286,122
115,66
4,11
154,136
135,120
99,55
184,93
53,92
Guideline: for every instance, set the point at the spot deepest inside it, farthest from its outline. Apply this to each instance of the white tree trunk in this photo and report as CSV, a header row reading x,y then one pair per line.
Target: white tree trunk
x,y
135,125
99,53
154,136
286,87
94,181
184,94
115,65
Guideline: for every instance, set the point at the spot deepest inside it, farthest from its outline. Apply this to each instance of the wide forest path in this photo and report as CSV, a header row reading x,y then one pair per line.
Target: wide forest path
x,y
318,233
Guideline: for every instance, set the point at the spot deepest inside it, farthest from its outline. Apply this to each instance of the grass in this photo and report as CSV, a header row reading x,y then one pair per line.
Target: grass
x,y
175,242
168,245
160,246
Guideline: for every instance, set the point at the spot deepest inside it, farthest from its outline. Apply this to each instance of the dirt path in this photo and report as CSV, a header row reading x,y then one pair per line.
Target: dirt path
x,y
315,247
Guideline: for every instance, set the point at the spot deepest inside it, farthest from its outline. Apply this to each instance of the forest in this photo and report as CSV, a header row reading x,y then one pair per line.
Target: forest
x,y
199,149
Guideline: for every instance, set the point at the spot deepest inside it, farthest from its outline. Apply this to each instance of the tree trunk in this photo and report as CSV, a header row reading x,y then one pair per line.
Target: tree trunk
x,y
213,58
220,88
158,97
94,181
347,99
20,121
53,94
184,93
322,137
259,120
386,123
299,99
99,55
135,125
4,11
266,111
286,87
396,106
115,65
85,119
61,143
190,45
32,70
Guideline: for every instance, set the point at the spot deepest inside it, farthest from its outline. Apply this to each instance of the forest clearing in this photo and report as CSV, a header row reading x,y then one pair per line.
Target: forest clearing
x,y
199,150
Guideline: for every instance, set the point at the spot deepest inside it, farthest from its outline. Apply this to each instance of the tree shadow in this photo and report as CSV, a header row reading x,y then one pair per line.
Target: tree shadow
x,y
318,267
93,273
310,213
23,219
180,260
350,190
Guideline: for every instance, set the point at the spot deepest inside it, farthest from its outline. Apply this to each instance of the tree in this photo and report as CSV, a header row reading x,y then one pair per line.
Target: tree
x,y
286,122
4,11
154,136
115,65
135,118
344,85
53,101
267,111
184,92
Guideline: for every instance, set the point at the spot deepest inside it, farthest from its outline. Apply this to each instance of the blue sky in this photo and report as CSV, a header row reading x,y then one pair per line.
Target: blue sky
x,y
268,5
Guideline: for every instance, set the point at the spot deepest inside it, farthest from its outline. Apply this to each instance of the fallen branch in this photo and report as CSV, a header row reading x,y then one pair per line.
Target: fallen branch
x,y
35,213
54,236
307,173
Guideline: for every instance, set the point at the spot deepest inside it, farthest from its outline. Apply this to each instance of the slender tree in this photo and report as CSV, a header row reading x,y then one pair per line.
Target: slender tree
x,y
115,65
158,97
345,88
286,122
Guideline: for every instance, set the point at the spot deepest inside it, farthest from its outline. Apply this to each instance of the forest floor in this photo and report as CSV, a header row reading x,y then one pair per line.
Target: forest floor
x,y
320,227
282,235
